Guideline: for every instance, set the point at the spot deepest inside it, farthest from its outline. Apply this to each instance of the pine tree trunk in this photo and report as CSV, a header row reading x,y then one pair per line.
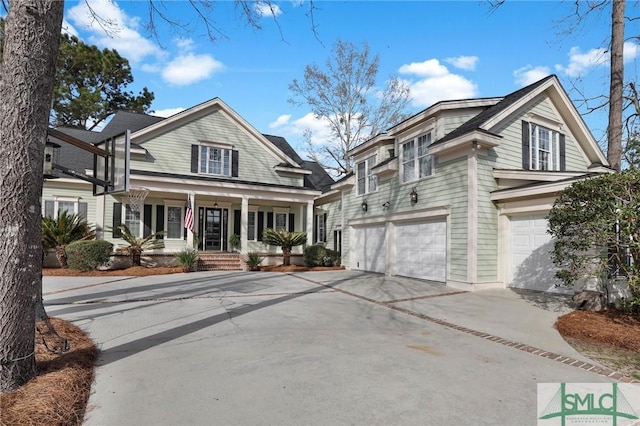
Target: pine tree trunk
x,y
614,130
32,34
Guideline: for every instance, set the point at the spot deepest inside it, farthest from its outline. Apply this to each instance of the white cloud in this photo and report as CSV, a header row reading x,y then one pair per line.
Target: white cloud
x,y
184,43
580,63
436,83
190,68
280,121
428,68
168,112
110,27
266,10
631,51
69,29
528,74
463,62
296,129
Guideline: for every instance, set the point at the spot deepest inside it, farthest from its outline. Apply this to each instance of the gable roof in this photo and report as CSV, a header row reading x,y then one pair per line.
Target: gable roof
x,y
284,146
319,178
73,157
476,122
123,120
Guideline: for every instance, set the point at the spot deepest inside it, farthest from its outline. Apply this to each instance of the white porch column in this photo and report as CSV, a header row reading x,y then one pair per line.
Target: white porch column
x,y
192,202
310,213
244,224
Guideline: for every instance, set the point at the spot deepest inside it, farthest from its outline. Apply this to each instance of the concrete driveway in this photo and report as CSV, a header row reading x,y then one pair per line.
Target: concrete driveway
x,y
317,348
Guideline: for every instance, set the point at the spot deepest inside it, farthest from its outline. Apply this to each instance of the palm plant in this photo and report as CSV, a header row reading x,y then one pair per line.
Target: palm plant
x,y
285,240
135,246
66,228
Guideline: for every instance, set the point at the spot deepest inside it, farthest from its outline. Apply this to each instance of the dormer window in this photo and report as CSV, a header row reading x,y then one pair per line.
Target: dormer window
x,y
543,148
367,181
416,162
215,161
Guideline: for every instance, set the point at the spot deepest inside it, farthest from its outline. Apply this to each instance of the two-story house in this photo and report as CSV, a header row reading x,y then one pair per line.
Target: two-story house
x,y
458,193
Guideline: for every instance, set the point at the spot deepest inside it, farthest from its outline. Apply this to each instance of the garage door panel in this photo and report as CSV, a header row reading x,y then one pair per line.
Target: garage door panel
x,y
531,264
421,250
370,248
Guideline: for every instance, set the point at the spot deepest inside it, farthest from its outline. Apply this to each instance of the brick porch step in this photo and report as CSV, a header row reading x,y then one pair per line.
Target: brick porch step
x,y
209,261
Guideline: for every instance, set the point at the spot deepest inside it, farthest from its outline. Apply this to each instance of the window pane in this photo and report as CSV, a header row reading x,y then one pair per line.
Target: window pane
x,y
281,221
227,162
408,162
426,166
251,226
66,206
132,220
361,174
174,222
203,159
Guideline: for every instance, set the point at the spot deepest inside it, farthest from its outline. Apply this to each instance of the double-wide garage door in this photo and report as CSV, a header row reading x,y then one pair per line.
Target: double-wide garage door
x,y
531,265
420,249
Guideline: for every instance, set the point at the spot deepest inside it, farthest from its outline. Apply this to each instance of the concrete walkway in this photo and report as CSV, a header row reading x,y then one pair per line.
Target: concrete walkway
x,y
321,348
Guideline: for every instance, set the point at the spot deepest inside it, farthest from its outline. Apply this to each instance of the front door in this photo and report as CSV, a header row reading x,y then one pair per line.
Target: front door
x,y
213,226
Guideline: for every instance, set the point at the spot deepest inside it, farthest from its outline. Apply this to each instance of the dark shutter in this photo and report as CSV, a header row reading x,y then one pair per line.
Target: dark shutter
x,y
270,220
260,225
525,146
234,163
160,220
48,208
194,158
117,220
316,237
563,154
292,222
82,210
146,217
237,218
324,237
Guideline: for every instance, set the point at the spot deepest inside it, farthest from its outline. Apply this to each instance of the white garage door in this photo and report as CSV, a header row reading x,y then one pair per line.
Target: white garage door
x,y
421,250
531,265
370,250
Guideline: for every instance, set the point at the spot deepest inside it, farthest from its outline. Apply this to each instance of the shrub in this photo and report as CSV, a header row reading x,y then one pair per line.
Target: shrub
x,y
314,255
187,258
88,255
254,259
332,258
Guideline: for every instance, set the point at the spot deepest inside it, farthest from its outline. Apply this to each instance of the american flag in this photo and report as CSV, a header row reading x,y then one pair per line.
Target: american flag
x,y
188,216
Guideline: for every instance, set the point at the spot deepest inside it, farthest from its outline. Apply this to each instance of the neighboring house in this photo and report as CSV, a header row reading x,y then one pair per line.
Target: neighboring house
x,y
458,193
240,181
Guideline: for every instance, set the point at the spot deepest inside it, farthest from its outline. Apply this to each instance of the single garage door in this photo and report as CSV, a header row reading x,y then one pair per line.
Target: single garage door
x,y
421,250
531,265
370,248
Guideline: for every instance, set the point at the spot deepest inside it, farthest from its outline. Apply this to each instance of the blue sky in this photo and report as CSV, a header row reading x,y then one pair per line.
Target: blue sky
x,y
444,50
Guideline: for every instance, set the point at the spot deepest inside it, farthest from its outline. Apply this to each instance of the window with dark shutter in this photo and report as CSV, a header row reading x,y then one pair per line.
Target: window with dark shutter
x,y
194,158
117,220
260,225
270,220
563,154
159,220
526,162
146,217
236,221
234,163
292,223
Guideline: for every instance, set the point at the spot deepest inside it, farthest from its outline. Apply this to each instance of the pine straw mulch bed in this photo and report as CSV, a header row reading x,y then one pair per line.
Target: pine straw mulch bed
x,y
59,393
139,271
610,337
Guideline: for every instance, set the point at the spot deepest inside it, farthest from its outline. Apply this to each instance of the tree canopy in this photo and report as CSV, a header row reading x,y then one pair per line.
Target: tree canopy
x,y
596,224
90,85
344,95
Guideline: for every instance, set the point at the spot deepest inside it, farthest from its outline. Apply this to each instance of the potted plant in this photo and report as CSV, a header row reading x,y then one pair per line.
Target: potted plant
x,y
187,258
254,259
234,240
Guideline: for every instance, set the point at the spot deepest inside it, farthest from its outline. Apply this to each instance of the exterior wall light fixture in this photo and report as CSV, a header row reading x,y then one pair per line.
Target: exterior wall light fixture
x,y
414,196
364,205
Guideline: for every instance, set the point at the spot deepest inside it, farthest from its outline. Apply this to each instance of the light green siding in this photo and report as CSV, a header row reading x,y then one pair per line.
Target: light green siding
x,y
509,153
171,152
487,220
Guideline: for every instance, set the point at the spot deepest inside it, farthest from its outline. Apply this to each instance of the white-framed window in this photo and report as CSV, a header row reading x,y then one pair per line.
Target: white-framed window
x,y
416,162
132,220
281,221
215,160
367,181
252,225
544,148
321,227
174,222
71,205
